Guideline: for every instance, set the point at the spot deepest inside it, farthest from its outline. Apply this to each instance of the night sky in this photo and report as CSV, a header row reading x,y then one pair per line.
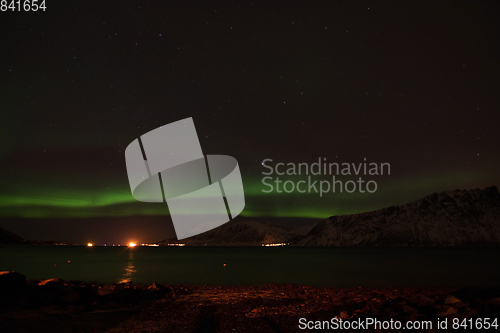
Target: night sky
x,y
415,85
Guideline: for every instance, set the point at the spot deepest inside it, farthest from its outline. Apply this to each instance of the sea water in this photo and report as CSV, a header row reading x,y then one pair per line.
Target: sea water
x,y
329,266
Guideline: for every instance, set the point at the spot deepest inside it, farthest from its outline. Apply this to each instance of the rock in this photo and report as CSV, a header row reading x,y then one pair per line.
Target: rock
x,y
10,280
52,283
476,310
459,305
494,301
420,300
412,317
112,304
450,299
447,310
67,290
70,298
466,312
408,309
104,291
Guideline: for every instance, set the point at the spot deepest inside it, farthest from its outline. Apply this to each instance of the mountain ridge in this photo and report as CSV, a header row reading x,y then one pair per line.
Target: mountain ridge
x,y
452,218
9,237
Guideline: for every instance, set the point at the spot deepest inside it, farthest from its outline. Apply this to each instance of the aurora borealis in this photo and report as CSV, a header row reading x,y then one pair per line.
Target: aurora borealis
x,y
413,85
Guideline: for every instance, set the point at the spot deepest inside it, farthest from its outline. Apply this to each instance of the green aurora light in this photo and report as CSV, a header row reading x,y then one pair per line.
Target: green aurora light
x,y
93,200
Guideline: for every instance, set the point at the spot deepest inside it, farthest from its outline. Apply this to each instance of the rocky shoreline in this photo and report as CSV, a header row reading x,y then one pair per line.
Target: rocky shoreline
x,y
55,305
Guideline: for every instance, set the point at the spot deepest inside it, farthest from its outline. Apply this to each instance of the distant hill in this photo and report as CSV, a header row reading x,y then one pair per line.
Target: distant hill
x,y
9,237
460,217
249,233
51,242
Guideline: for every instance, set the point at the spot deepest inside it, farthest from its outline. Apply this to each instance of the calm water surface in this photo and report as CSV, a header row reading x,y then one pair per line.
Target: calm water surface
x,y
337,267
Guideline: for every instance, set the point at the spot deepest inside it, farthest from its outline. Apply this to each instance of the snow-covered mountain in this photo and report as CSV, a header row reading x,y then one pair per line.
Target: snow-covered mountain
x,y
460,217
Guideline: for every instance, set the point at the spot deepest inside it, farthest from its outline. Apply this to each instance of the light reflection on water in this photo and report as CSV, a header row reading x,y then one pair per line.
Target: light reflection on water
x,y
129,269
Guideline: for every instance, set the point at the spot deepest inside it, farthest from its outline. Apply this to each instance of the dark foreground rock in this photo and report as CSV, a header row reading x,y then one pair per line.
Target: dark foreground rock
x,y
74,306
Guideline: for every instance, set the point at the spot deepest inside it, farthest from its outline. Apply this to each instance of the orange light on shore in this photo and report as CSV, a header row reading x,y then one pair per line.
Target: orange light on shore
x,y
90,244
131,244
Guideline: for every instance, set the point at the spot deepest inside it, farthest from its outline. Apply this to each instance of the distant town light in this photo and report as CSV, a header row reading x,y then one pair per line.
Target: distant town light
x,y
131,244
90,244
